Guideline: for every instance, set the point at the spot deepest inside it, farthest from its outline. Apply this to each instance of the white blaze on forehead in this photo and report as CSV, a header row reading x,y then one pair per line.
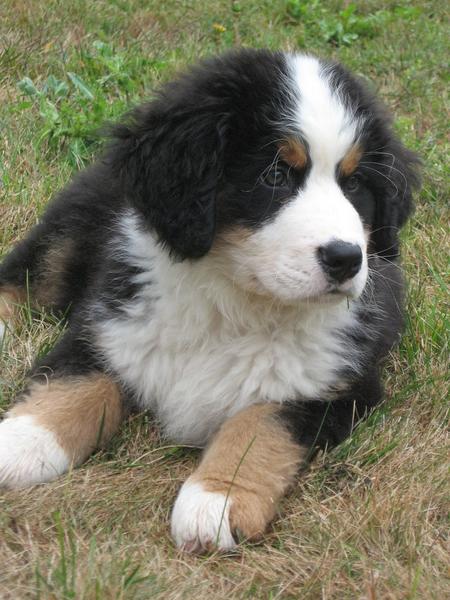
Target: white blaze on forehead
x,y
320,114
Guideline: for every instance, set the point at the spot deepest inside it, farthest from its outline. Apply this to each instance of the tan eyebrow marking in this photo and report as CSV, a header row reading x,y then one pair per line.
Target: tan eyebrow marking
x,y
351,160
294,153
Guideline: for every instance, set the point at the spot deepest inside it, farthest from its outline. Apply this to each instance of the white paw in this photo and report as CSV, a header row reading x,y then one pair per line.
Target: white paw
x,y
200,520
29,454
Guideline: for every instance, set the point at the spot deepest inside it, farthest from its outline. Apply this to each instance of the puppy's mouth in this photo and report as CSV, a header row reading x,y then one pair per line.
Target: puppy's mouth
x,y
335,291
334,296
348,289
329,294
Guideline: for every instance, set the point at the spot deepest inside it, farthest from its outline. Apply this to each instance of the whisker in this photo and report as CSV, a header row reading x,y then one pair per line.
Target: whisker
x,y
385,227
385,259
264,172
381,153
391,168
383,175
272,142
394,245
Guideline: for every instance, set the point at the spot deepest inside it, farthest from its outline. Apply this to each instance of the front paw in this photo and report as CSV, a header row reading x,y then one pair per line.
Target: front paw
x,y
29,453
211,516
200,520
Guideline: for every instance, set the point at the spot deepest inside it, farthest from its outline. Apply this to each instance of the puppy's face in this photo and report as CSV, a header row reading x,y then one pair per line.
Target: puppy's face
x,y
302,237
296,212
280,168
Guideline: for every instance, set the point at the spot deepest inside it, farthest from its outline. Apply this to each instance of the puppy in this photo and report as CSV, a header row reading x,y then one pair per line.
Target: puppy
x,y
229,263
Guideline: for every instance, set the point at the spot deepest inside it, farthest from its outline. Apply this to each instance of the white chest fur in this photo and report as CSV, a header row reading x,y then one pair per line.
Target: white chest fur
x,y
196,350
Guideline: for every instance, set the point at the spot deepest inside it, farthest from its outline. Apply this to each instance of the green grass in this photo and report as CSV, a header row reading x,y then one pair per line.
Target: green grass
x,y
370,519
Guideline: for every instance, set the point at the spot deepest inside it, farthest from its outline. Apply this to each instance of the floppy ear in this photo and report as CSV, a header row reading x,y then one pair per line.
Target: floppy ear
x,y
169,157
400,171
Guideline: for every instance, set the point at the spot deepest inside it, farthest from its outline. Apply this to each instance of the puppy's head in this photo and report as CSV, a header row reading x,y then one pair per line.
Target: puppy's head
x,y
282,168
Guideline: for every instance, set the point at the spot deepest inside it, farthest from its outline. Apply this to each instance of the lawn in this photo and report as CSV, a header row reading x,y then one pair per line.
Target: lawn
x,y
370,518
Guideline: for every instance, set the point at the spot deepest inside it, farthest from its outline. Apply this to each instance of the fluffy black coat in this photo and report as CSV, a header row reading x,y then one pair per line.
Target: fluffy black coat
x,y
188,162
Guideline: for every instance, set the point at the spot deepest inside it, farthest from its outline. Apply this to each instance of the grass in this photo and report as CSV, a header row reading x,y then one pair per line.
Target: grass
x,y
370,519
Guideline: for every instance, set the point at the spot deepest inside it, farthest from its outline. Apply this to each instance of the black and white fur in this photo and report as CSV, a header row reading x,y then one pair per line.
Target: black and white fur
x,y
193,272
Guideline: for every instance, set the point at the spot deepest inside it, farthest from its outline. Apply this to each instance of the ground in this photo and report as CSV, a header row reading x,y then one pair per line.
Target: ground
x,y
370,519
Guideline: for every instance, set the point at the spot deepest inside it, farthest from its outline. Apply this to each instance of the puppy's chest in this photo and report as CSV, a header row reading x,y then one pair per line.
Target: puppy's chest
x,y
195,373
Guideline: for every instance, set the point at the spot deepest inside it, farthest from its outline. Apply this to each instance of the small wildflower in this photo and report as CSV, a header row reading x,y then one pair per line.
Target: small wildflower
x,y
219,28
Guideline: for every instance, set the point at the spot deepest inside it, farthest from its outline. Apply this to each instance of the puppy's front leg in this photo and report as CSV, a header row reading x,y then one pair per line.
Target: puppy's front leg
x,y
248,467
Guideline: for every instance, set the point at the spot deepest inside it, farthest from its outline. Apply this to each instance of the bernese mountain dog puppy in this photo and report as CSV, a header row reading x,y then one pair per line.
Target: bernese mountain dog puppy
x,y
230,264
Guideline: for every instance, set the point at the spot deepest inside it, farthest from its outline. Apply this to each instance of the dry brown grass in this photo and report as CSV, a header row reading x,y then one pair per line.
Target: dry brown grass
x,y
349,530
370,519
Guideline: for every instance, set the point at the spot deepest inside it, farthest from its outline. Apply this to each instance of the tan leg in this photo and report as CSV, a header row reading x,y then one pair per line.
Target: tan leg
x,y
249,466
58,424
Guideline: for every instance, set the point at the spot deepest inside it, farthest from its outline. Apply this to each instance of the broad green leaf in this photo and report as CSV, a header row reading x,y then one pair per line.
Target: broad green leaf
x,y
80,85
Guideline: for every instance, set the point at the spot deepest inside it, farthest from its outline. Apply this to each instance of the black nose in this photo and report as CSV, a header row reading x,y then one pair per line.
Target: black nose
x,y
340,260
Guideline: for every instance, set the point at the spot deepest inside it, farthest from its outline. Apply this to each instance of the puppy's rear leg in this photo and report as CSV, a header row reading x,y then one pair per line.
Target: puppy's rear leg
x,y
60,420
37,270
11,298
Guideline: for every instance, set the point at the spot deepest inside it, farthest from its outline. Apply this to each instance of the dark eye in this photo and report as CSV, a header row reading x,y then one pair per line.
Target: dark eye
x,y
352,184
277,176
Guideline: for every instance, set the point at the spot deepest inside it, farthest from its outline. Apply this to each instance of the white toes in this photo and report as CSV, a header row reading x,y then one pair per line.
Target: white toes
x,y
29,454
200,520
